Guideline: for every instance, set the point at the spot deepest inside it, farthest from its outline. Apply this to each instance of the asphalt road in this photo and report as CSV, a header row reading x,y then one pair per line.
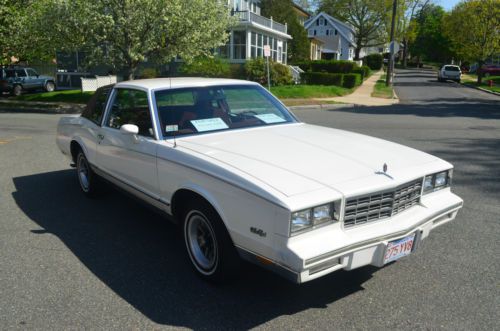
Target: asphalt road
x,y
67,262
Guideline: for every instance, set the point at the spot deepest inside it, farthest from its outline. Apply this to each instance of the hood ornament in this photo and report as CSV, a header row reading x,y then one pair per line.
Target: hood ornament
x,y
384,171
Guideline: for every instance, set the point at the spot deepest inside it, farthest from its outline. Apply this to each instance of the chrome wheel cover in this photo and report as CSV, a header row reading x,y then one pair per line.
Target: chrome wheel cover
x,y
201,242
83,173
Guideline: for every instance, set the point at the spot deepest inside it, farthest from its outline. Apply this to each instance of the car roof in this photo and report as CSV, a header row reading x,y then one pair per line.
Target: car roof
x,y
178,82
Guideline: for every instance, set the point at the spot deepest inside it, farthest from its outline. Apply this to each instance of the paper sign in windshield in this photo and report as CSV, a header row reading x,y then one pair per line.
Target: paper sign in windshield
x,y
270,118
171,128
209,124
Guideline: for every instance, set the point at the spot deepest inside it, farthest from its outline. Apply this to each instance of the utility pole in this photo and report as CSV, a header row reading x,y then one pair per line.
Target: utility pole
x,y
390,66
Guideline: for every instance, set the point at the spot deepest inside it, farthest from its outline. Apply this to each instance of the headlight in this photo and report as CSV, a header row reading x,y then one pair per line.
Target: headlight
x,y
311,218
437,181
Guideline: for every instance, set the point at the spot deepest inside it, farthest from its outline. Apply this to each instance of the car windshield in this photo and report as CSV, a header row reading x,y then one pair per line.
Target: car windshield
x,y
451,68
199,110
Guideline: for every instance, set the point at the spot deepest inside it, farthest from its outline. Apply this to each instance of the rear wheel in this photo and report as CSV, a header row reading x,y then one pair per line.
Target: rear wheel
x,y
89,182
50,86
17,90
208,243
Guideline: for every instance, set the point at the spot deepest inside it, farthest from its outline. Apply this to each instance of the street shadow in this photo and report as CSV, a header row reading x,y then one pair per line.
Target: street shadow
x,y
481,157
140,256
442,107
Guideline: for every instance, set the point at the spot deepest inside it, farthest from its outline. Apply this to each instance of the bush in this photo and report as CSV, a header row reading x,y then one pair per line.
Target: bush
x,y
374,61
360,72
280,75
256,70
237,71
367,71
206,67
331,66
321,78
351,80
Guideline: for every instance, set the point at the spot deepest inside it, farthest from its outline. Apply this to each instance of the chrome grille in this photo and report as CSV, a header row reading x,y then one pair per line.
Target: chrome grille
x,y
380,205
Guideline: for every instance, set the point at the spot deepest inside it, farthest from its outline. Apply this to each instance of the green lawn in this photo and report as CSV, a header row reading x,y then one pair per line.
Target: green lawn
x,y
471,79
309,91
70,96
382,91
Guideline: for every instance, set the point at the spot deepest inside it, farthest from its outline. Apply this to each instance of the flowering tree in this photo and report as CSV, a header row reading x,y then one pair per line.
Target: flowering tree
x,y
125,33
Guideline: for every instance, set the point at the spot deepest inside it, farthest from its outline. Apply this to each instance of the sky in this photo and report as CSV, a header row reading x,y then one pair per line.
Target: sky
x,y
447,4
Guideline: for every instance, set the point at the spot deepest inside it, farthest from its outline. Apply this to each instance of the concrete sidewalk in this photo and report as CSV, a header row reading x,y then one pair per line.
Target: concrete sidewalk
x,y
362,95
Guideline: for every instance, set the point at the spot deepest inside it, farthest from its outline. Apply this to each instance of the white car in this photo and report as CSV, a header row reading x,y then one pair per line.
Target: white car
x,y
451,72
246,179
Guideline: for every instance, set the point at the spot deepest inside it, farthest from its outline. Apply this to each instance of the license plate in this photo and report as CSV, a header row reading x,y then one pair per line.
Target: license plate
x,y
398,248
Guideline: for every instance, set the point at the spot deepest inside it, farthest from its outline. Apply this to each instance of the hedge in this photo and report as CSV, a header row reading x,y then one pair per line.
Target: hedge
x,y
374,61
330,66
351,80
206,67
322,78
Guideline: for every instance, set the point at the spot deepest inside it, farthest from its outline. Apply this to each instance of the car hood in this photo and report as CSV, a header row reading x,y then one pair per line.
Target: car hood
x,y
298,158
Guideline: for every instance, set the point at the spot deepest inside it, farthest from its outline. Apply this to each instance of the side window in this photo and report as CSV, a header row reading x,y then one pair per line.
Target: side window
x,y
32,73
20,73
131,107
96,106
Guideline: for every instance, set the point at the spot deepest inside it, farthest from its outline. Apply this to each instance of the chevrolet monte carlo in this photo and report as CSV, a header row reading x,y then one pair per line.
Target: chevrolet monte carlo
x,y
244,178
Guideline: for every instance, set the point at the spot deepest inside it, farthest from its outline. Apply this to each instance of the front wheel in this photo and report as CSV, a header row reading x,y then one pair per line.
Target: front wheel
x,y
208,243
50,86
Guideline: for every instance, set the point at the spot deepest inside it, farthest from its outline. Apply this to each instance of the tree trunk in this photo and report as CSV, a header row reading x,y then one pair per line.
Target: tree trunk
x,y
357,50
479,72
405,51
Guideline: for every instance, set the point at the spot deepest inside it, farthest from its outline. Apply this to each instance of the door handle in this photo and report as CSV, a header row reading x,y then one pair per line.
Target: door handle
x,y
100,136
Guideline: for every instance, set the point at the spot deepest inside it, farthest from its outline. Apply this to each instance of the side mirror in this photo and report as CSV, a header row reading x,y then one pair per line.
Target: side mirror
x,y
129,129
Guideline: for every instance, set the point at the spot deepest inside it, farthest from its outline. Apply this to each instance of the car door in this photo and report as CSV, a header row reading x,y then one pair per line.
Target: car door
x,y
32,79
129,159
21,78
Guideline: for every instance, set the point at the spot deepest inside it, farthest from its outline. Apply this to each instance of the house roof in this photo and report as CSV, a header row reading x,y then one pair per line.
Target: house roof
x,y
302,10
334,22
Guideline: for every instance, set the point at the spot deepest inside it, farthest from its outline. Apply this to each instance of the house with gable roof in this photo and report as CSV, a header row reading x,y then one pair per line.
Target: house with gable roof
x,y
337,36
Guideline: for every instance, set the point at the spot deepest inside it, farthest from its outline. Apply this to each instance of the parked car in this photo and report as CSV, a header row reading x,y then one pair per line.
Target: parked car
x,y
449,71
490,70
244,178
16,79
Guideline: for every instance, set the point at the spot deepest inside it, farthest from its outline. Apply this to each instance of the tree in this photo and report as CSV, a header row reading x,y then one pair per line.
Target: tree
x,y
430,41
474,28
282,11
408,9
367,17
125,33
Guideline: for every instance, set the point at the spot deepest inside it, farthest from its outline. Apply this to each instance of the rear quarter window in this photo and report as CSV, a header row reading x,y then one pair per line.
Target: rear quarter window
x,y
97,104
451,68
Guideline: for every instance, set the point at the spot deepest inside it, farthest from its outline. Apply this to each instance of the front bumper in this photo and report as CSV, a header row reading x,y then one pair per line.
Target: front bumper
x,y
328,249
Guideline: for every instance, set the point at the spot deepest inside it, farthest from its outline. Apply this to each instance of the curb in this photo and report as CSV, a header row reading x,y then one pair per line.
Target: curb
x,y
323,106
479,88
14,106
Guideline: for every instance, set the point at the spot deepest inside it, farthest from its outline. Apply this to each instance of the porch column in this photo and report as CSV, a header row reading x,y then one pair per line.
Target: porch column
x,y
231,46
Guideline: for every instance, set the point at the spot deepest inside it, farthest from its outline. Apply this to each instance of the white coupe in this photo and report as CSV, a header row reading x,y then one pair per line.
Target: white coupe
x,y
246,179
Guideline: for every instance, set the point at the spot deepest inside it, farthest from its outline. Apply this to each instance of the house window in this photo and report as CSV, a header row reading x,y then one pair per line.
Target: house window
x,y
326,22
314,32
239,45
336,32
321,21
327,32
317,22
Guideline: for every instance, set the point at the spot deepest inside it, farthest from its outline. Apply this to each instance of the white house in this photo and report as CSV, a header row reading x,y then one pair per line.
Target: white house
x,y
337,36
252,32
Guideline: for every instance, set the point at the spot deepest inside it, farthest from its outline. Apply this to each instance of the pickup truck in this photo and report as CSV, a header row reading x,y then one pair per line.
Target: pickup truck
x,y
245,179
